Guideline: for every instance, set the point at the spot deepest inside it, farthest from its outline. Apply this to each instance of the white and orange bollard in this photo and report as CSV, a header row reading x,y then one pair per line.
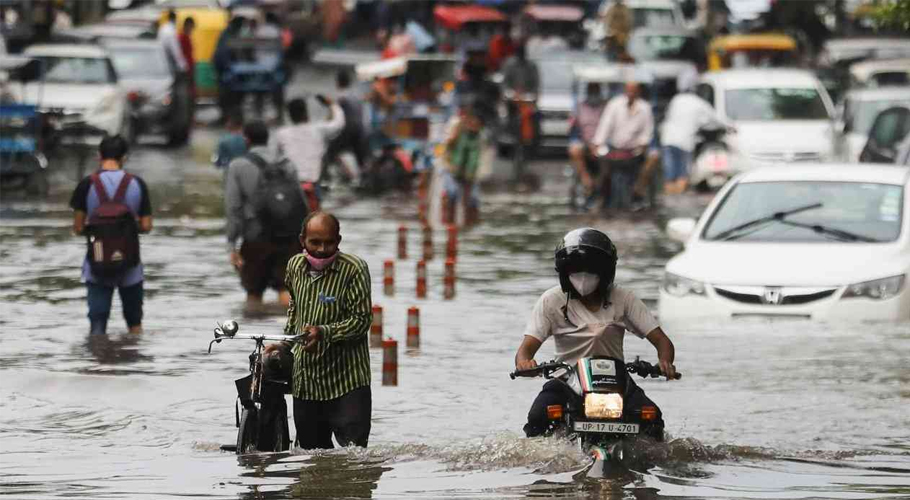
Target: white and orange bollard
x,y
452,243
413,328
449,280
427,243
376,327
388,278
421,280
389,362
402,242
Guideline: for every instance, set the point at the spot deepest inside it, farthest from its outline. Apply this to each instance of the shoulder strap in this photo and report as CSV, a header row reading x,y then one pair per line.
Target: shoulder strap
x,y
99,188
257,160
121,189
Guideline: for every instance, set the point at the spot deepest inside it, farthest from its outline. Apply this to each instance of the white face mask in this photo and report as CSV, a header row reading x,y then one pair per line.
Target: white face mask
x,y
584,283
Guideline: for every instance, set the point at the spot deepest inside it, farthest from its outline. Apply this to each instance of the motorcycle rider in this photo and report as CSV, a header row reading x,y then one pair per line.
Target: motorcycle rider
x,y
588,315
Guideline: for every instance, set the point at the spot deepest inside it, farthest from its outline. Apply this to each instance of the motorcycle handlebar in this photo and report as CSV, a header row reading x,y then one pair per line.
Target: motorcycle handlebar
x,y
638,367
543,368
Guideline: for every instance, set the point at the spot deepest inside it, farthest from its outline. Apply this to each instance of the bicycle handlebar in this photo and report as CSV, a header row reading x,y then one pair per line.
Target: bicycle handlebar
x,y
221,334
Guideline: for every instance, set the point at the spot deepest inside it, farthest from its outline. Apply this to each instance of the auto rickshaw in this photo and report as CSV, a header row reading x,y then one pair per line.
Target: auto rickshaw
x,y
209,25
405,134
458,24
562,21
738,51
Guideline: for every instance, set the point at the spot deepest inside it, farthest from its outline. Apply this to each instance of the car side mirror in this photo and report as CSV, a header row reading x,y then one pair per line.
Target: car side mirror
x,y
680,228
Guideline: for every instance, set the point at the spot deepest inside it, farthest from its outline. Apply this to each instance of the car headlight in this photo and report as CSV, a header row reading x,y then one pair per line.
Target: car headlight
x,y
603,405
882,289
680,287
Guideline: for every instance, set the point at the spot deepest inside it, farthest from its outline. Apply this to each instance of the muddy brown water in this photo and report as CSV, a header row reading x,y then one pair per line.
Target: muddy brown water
x,y
765,409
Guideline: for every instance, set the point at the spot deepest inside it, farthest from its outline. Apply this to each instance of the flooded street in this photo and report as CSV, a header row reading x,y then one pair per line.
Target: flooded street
x,y
783,409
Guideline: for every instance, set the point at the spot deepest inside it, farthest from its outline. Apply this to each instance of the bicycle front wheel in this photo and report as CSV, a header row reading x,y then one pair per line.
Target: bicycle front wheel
x,y
248,433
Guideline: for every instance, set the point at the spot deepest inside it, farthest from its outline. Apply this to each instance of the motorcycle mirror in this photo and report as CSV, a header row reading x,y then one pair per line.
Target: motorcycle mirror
x,y
230,327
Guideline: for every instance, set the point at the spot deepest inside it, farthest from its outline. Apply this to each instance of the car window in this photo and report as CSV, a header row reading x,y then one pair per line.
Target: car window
x,y
886,130
890,78
133,62
866,209
84,70
662,47
861,114
652,18
775,104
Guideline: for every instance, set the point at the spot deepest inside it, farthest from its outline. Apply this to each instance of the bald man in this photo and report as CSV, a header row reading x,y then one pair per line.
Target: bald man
x,y
626,128
331,305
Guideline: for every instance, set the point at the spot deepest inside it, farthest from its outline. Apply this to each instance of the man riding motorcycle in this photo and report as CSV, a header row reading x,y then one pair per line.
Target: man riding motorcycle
x,y
588,315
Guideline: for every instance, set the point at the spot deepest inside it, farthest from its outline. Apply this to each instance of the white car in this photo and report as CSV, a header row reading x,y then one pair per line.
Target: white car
x,y
855,118
810,241
80,89
777,115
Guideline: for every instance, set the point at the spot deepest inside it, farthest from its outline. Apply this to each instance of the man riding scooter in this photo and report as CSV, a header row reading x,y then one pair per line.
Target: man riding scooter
x,y
587,314
521,86
626,128
582,150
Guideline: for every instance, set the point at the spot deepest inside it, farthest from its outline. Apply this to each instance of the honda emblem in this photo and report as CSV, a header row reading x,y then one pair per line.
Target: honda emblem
x,y
773,296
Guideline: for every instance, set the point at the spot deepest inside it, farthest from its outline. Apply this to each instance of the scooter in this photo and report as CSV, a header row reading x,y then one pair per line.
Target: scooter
x,y
596,415
711,166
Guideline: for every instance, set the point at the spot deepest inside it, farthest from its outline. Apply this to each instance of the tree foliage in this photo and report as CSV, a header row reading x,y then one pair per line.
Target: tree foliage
x,y
893,14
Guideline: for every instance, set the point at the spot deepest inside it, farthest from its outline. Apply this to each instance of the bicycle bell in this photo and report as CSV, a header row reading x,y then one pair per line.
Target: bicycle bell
x,y
229,327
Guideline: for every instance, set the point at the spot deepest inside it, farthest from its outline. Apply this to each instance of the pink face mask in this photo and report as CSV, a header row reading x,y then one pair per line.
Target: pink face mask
x,y
320,264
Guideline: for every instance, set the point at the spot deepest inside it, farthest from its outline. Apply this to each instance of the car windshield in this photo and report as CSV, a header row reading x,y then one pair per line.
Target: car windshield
x,y
863,113
775,104
871,211
134,62
86,70
555,76
653,18
657,47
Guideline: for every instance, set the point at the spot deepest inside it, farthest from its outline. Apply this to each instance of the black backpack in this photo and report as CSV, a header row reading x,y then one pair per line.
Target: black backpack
x,y
278,199
112,233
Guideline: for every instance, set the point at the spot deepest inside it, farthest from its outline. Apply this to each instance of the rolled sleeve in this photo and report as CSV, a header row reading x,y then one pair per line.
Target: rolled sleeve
x,y
539,326
638,318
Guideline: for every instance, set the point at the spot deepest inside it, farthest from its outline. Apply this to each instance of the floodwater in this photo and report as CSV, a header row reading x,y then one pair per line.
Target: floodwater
x,y
764,410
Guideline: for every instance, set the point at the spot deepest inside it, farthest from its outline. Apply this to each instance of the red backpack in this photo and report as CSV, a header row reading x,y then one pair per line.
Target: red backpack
x,y
112,232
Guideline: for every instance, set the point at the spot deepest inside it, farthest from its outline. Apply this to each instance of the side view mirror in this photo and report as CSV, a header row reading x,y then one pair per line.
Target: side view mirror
x,y
230,327
680,228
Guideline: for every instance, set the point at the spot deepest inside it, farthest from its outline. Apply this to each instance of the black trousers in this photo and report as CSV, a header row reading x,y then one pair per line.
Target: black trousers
x,y
347,417
555,392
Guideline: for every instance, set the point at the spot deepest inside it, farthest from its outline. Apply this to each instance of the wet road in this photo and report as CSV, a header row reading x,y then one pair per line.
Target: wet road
x,y
765,410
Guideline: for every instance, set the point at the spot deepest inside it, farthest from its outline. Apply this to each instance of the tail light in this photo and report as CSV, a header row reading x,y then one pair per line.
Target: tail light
x,y
554,412
134,97
648,413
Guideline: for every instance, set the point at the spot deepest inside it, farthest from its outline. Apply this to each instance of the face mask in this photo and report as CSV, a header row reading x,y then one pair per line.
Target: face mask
x,y
584,283
320,264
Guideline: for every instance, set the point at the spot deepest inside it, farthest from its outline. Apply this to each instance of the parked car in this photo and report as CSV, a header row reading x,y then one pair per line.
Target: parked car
x,y
645,14
160,97
880,73
857,113
838,54
889,137
777,115
809,241
80,93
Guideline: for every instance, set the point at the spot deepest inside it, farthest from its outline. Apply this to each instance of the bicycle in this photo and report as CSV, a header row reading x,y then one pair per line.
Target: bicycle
x,y
263,423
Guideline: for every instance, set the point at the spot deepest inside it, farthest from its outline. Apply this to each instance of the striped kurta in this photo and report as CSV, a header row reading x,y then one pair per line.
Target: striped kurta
x,y
339,302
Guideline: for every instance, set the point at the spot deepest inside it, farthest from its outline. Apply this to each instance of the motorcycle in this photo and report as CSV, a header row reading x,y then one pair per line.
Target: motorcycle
x,y
596,415
523,128
711,167
262,425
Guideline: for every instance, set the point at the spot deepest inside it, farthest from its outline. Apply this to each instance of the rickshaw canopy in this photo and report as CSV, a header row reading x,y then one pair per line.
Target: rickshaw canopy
x,y
735,43
557,13
455,17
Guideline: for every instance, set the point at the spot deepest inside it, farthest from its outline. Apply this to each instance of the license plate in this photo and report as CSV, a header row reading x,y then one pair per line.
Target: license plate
x,y
552,127
605,427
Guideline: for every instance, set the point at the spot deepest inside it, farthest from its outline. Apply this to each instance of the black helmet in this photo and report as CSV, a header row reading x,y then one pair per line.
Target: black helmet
x,y
586,250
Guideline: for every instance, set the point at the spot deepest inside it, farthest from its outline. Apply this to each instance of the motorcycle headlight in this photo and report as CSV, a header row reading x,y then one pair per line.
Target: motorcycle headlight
x,y
603,405
882,289
680,287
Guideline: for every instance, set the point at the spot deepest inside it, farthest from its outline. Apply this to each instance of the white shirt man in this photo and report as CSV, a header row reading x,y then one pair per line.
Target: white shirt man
x,y
304,143
626,126
685,115
167,36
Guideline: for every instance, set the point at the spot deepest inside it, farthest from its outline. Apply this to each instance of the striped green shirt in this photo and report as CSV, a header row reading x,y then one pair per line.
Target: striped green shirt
x,y
339,302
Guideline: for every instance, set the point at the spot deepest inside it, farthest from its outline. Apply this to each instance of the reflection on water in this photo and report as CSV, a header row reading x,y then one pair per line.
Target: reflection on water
x,y
767,410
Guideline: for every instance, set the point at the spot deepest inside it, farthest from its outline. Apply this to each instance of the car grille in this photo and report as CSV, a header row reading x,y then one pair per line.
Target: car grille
x,y
779,156
774,296
554,114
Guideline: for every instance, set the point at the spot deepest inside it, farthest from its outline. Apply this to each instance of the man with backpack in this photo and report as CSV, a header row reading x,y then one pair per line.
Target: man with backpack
x,y
264,206
111,207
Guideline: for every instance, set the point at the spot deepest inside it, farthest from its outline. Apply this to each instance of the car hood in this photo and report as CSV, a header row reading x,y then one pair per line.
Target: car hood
x,y
667,69
555,102
788,264
151,86
66,95
778,136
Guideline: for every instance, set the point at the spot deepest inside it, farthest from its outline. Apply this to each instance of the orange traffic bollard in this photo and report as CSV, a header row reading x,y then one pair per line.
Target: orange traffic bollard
x,y
421,280
427,243
452,244
389,362
388,278
449,280
402,242
376,327
413,327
